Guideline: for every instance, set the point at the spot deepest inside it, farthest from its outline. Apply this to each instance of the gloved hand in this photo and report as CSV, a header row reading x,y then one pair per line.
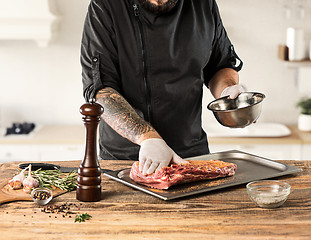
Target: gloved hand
x,y
154,154
232,91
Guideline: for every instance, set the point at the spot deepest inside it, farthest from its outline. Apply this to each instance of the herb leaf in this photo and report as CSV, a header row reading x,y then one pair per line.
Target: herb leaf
x,y
82,217
50,178
305,105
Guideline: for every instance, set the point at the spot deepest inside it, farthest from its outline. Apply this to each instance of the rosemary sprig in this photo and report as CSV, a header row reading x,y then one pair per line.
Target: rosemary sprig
x,y
50,178
81,217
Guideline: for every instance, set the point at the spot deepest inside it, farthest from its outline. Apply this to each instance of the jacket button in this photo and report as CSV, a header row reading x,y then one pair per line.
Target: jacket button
x,y
95,59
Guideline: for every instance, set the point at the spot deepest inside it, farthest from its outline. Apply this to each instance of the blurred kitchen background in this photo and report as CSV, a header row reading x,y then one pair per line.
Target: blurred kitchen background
x,y
41,73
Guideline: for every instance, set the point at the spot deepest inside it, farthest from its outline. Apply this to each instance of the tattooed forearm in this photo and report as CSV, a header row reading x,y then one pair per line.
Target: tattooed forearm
x,y
119,115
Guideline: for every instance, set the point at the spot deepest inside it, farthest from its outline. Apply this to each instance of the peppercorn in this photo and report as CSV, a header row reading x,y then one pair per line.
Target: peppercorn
x,y
41,195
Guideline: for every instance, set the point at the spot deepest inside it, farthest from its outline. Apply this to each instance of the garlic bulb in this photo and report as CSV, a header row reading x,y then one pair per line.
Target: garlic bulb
x,y
17,181
15,184
30,182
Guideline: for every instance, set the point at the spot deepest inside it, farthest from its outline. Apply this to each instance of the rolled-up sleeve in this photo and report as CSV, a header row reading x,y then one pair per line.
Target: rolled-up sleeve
x,y
99,58
223,54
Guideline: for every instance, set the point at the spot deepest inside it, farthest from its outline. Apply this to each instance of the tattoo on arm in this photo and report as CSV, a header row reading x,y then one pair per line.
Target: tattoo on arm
x,y
120,115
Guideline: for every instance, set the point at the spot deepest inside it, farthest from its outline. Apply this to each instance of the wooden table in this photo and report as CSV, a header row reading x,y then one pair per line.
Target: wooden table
x,y
124,213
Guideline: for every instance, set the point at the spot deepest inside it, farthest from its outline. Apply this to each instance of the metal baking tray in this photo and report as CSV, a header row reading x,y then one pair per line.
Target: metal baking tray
x,y
249,168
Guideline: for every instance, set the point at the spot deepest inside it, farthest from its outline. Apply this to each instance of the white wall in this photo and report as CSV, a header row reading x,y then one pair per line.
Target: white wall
x,y
256,27
44,84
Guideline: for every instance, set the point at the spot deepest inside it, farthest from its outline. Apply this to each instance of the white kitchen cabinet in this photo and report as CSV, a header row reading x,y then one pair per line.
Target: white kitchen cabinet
x,y
64,152
306,152
41,152
60,152
62,143
270,151
298,64
31,19
18,152
48,143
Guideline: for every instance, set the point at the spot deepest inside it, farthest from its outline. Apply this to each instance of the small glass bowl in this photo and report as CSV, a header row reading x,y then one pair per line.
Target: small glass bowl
x,y
41,196
268,193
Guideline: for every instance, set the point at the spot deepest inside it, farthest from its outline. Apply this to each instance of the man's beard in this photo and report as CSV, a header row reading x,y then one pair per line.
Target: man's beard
x,y
160,8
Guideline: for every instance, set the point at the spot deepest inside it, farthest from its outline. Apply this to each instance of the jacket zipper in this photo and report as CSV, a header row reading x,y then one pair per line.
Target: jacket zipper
x,y
143,53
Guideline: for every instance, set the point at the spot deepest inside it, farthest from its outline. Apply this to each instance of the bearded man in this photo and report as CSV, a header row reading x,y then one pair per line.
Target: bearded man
x,y
145,62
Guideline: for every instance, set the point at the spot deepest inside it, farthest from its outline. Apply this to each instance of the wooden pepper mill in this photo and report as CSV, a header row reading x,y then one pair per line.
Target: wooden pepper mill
x,y
89,173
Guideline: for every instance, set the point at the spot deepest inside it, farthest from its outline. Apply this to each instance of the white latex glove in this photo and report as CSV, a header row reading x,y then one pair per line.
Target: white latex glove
x,y
232,91
154,154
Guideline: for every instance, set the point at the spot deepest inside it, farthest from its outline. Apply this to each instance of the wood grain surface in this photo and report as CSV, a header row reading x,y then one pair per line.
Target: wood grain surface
x,y
10,195
125,213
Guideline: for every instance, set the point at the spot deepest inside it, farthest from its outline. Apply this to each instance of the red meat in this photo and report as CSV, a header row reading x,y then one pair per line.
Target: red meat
x,y
194,170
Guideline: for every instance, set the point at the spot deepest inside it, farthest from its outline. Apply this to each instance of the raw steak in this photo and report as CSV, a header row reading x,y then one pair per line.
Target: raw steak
x,y
175,174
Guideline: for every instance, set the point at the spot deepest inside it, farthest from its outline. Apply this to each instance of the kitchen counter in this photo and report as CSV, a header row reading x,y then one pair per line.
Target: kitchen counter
x,y
305,137
125,213
74,134
49,134
49,142
66,142
296,137
295,146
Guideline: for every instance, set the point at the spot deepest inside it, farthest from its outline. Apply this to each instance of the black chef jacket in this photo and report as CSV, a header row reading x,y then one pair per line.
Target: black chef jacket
x,y
159,63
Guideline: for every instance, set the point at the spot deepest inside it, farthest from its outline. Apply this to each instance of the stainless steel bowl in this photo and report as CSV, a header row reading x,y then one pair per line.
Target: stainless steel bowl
x,y
239,112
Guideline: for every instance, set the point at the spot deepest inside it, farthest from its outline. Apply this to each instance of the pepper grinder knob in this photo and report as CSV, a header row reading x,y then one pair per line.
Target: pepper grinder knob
x,y
89,172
